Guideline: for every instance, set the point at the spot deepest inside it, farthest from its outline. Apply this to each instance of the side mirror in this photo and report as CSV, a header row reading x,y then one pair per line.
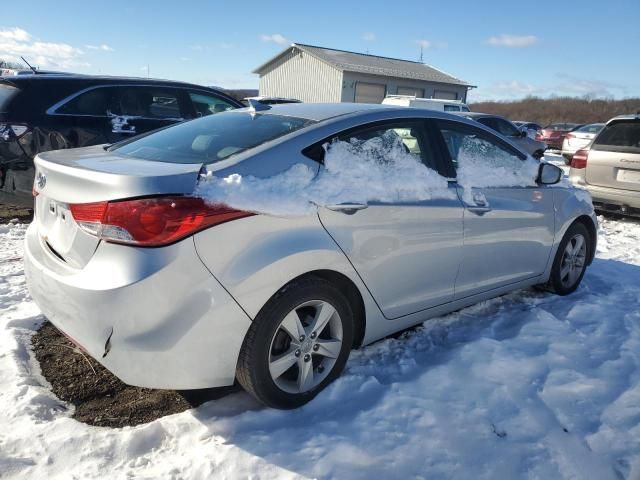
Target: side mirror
x,y
549,174
523,132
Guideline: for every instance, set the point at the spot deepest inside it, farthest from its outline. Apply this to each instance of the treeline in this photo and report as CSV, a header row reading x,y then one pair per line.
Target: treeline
x,y
560,109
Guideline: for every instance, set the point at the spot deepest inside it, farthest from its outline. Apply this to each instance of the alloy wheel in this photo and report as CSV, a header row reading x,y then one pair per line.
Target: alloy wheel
x,y
305,347
573,260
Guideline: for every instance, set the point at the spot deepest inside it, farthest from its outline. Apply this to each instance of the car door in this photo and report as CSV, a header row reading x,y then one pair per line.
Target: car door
x,y
407,253
140,109
82,119
508,230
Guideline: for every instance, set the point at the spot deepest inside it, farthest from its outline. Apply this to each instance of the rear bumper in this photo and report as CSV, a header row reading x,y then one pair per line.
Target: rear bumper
x,y
614,196
170,323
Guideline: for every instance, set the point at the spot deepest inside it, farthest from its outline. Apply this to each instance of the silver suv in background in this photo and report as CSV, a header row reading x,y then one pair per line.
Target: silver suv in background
x,y
533,147
610,168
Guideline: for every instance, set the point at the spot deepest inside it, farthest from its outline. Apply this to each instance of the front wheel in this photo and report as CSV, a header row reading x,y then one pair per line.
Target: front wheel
x,y
297,345
570,262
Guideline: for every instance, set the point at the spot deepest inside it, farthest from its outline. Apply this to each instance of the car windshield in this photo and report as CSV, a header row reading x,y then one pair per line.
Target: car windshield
x,y
210,139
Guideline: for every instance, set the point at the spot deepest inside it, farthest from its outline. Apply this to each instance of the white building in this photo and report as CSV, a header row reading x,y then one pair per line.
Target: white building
x,y
317,74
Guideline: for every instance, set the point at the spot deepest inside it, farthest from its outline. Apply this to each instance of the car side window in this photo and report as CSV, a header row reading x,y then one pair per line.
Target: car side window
x,y
505,128
148,102
206,104
410,136
471,144
94,102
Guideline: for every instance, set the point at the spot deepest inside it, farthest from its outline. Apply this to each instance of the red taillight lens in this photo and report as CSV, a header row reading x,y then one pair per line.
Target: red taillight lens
x,y
580,158
151,222
570,136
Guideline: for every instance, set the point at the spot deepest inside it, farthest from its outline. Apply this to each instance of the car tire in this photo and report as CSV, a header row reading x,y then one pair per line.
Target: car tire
x,y
285,363
570,262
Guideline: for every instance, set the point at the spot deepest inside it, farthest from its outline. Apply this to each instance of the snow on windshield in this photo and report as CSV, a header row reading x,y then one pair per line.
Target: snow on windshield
x,y
380,169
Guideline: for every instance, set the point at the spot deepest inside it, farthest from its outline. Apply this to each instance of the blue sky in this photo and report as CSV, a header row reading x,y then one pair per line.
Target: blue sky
x,y
509,49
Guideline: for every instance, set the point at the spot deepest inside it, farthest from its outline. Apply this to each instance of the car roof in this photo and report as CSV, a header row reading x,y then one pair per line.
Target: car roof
x,y
90,80
324,111
476,115
625,117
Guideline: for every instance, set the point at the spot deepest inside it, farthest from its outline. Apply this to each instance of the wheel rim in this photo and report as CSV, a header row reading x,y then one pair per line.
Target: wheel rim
x,y
573,260
305,347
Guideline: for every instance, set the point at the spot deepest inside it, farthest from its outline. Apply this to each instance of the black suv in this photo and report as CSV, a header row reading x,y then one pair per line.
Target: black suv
x,y
50,112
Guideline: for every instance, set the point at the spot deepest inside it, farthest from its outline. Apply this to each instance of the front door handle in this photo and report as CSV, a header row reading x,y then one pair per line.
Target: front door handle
x,y
348,208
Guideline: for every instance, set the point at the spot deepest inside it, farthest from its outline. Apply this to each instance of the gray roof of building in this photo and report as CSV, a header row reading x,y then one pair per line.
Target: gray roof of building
x,y
372,64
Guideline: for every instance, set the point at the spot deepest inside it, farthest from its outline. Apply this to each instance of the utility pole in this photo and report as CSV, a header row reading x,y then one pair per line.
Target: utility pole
x,y
421,53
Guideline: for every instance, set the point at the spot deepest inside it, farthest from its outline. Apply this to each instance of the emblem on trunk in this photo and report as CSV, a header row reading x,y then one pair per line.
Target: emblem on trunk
x,y
41,180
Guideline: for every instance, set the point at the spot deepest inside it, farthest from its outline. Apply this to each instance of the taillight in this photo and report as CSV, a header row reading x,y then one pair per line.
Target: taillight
x,y
570,136
580,158
151,222
12,130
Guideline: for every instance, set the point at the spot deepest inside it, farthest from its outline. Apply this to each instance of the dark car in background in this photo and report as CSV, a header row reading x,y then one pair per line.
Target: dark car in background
x,y
553,134
39,113
506,128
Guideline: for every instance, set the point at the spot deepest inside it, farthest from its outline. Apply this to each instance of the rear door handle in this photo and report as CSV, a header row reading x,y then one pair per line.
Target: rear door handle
x,y
479,210
348,208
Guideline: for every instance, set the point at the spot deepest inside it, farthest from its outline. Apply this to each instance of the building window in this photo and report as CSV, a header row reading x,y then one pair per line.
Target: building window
x,y
370,92
411,91
445,95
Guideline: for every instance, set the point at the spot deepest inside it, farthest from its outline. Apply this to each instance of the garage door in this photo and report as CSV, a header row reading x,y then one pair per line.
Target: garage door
x,y
444,94
370,92
417,92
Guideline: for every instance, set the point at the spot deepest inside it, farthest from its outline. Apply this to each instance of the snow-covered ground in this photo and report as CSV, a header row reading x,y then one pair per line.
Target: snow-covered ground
x,y
529,385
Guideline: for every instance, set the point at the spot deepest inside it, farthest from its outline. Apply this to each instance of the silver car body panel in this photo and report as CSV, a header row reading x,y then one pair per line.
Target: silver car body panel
x,y
169,323
176,316
511,221
396,247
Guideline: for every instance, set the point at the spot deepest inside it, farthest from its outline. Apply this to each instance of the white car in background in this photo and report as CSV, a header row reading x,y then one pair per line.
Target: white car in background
x,y
428,103
579,138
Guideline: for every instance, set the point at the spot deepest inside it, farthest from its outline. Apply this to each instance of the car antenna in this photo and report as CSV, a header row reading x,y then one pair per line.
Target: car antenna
x,y
29,65
257,106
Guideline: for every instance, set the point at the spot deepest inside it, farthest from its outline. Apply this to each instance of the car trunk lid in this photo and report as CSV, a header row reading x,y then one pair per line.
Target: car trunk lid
x,y
91,175
614,158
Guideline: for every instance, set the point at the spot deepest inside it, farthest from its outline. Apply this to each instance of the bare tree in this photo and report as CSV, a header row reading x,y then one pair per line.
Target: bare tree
x,y
560,109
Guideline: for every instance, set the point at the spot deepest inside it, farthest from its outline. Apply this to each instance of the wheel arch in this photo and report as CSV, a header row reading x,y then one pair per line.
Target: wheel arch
x,y
593,233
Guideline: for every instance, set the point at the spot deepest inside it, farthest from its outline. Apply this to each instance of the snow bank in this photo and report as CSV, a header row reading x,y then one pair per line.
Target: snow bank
x,y
379,169
528,385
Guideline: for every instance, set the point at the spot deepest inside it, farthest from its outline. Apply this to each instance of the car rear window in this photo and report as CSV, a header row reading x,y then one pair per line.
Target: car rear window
x,y
592,128
6,93
619,137
210,139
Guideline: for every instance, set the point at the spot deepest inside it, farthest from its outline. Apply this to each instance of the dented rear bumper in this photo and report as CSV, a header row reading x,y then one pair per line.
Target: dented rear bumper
x,y
170,322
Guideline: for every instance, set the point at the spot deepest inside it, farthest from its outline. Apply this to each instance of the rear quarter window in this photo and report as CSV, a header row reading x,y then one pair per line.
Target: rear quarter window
x,y
619,137
7,92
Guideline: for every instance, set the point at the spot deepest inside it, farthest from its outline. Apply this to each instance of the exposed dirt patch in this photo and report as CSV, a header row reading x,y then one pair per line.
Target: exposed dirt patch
x,y
9,212
99,397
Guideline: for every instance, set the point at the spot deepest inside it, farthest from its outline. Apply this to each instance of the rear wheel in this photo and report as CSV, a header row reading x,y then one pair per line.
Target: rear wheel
x,y
297,345
570,262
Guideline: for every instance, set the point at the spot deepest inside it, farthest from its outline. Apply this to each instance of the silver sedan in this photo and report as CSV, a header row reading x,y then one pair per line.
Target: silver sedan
x,y
167,290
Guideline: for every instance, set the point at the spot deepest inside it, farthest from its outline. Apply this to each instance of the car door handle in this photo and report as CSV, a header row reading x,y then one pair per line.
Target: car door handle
x,y
348,208
479,210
